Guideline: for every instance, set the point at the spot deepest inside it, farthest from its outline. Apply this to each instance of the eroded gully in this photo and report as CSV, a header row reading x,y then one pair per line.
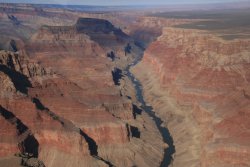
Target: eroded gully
x,y
167,138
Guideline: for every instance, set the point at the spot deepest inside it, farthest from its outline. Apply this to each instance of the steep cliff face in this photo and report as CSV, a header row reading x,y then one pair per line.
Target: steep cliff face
x,y
101,31
77,115
71,53
75,112
42,109
201,88
21,64
26,128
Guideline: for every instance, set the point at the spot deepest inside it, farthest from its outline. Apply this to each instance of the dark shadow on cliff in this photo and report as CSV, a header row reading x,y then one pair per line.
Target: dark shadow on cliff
x,y
101,31
135,132
127,49
111,55
41,107
29,145
136,111
93,147
14,20
92,144
68,125
106,162
38,104
117,75
20,81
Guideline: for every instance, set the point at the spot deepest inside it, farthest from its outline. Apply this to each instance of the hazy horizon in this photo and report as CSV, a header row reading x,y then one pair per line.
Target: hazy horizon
x,y
121,2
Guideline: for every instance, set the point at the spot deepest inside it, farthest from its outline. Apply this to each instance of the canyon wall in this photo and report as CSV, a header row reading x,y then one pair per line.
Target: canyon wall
x,y
199,84
59,100
88,96
45,104
32,128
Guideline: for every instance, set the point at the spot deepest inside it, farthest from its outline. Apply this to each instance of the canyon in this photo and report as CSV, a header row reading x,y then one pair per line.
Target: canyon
x,y
200,88
121,89
58,86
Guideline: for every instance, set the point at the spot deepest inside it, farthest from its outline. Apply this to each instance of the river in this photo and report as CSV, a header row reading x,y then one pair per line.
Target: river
x,y
167,138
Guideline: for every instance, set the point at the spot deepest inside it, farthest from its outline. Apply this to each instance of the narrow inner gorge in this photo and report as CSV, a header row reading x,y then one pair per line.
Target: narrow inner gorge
x,y
167,138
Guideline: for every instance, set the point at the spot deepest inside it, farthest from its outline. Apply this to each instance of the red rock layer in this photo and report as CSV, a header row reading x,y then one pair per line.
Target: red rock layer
x,y
210,78
8,138
25,112
83,62
61,110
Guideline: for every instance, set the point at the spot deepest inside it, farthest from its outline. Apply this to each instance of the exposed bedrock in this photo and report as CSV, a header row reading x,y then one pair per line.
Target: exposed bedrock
x,y
199,84
70,103
26,141
48,130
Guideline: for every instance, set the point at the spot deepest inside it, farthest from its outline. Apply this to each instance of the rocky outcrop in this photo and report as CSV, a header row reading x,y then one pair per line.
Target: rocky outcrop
x,y
84,62
20,63
200,88
49,129
7,87
86,93
76,113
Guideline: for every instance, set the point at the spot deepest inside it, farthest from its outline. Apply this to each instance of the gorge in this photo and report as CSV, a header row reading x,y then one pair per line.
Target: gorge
x,y
150,86
167,138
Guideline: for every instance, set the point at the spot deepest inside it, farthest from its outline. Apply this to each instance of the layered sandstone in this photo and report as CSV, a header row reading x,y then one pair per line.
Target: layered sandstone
x,y
59,86
199,84
72,53
99,105
23,75
31,125
76,110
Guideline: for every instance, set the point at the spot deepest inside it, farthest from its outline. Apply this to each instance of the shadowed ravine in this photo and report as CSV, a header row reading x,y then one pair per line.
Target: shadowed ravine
x,y
167,138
